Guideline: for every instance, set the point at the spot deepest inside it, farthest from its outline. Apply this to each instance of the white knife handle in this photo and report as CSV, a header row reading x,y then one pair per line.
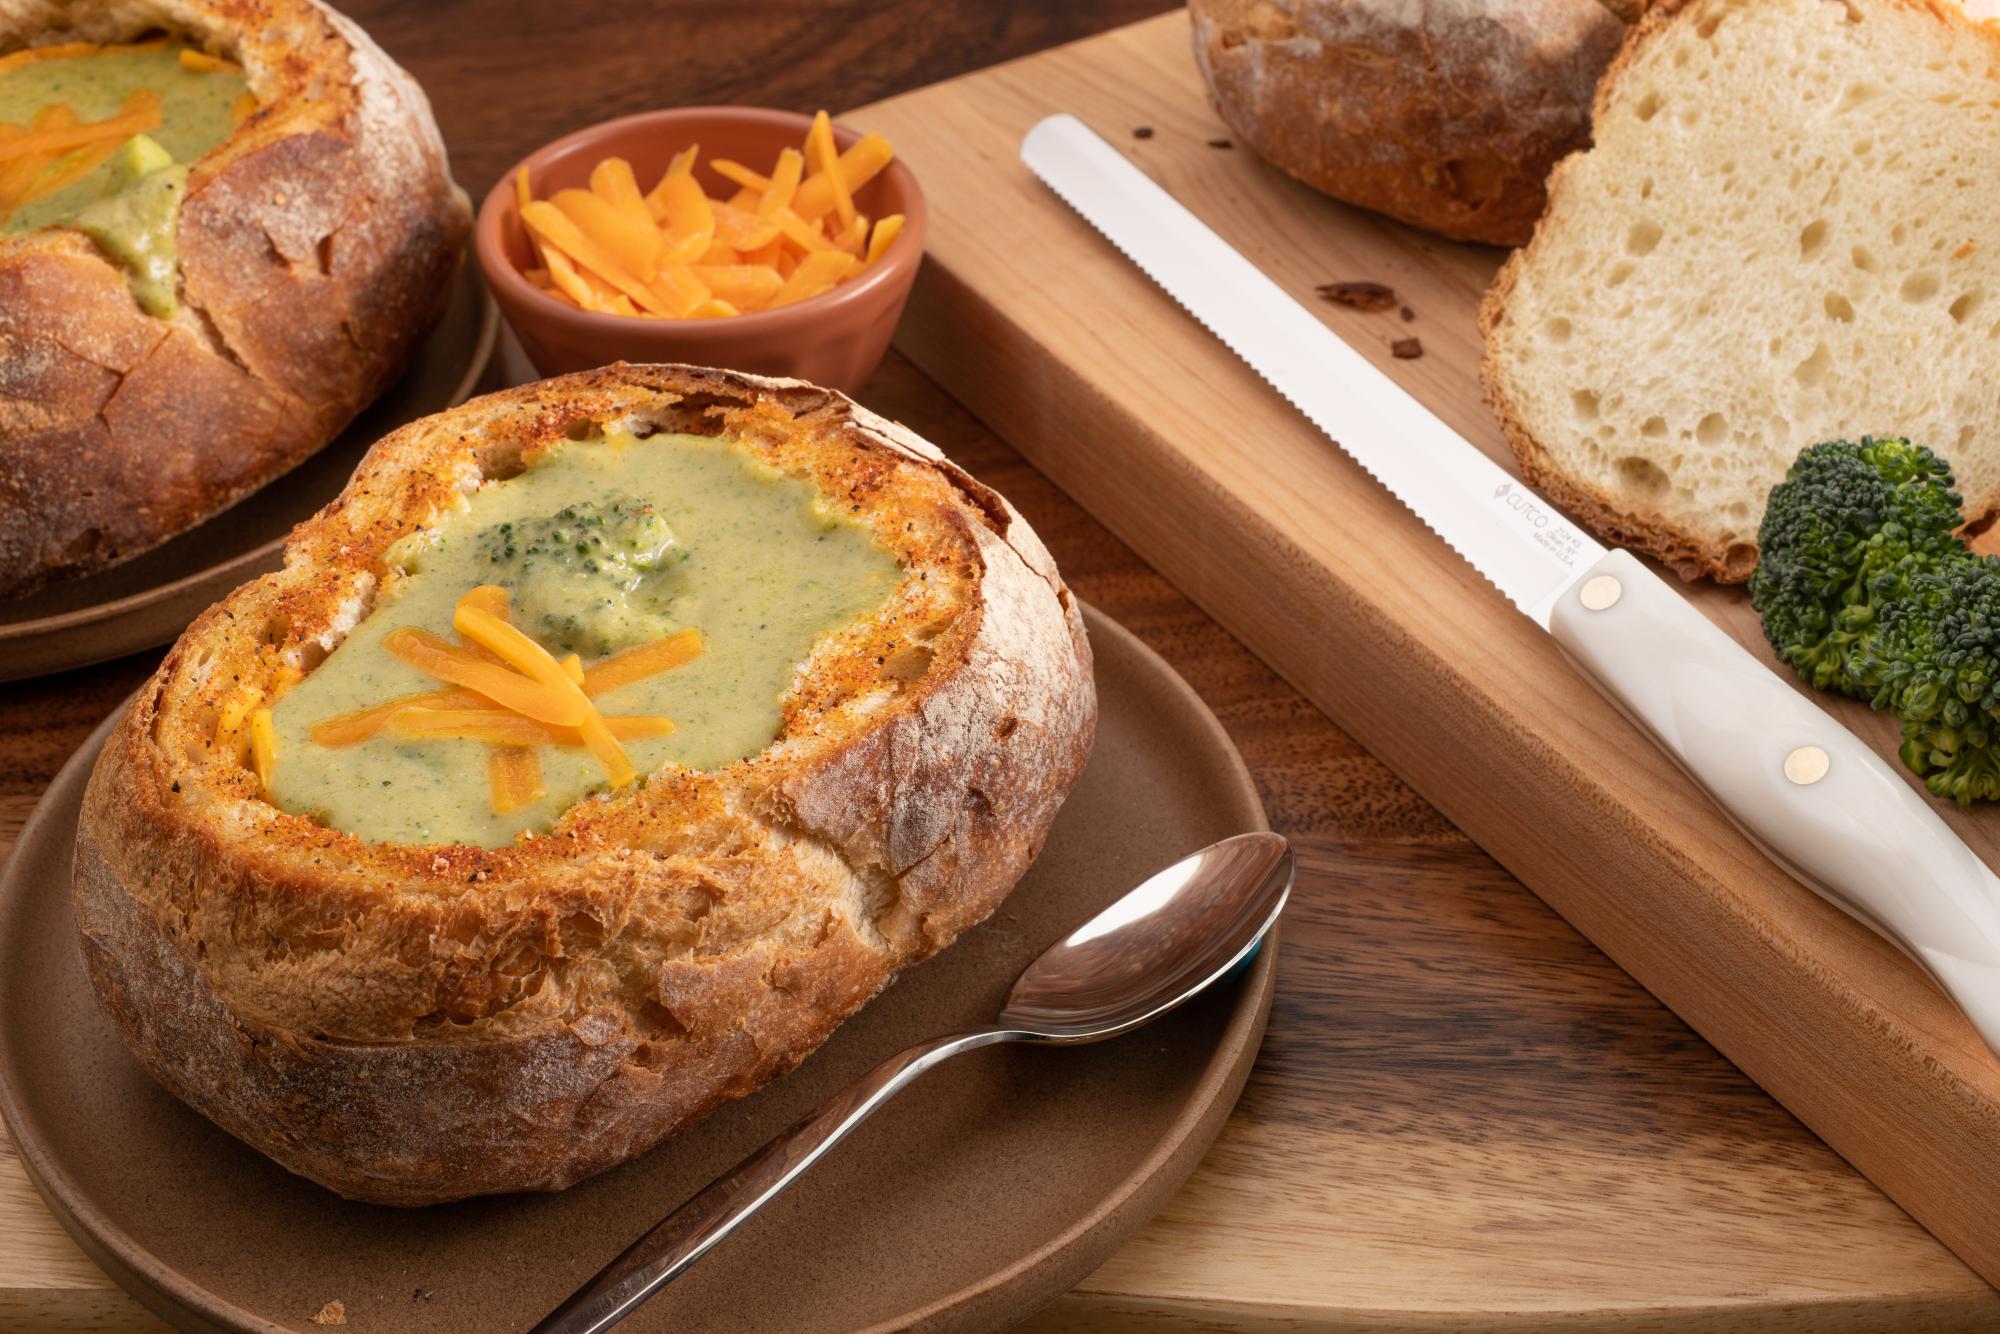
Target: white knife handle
x,y
1805,789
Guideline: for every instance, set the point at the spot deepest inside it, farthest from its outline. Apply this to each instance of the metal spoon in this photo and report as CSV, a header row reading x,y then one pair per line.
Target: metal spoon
x,y
1161,944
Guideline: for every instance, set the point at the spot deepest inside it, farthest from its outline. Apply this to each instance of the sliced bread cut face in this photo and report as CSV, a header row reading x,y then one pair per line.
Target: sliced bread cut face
x,y
1788,231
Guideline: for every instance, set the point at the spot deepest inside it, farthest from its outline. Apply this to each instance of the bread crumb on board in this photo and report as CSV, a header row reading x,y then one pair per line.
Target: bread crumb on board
x,y
333,1313
1142,132
1221,143
1407,349
1371,297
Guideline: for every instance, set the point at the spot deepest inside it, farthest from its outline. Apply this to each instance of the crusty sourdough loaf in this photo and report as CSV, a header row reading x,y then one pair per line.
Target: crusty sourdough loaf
x,y
1445,115
317,249
1788,231
414,1024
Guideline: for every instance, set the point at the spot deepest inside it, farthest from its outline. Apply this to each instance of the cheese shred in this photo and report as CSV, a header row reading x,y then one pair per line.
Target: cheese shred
x,y
513,695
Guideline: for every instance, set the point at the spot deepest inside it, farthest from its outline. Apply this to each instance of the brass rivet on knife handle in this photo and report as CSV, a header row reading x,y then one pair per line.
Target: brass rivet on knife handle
x,y
1600,593
1807,765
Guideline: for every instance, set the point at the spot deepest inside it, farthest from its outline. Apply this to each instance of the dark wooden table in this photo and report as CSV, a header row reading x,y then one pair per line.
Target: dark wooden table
x,y
1463,1115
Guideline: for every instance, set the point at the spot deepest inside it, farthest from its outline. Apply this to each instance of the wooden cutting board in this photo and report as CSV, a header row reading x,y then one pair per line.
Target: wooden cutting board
x,y
1040,326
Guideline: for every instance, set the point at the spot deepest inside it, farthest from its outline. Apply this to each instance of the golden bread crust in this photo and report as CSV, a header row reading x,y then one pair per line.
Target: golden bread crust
x,y
414,1024
1444,116
318,247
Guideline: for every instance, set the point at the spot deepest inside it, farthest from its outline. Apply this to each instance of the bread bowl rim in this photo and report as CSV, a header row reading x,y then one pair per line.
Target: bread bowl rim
x,y
262,392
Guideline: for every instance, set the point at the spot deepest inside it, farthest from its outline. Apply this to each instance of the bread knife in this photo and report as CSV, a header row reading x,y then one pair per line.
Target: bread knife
x,y
1810,794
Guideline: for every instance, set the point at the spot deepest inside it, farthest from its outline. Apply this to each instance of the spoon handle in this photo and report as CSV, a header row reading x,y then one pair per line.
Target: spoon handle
x,y
688,1233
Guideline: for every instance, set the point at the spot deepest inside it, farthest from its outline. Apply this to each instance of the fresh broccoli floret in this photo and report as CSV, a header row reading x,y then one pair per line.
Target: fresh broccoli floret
x,y
1938,661
1865,587
1843,536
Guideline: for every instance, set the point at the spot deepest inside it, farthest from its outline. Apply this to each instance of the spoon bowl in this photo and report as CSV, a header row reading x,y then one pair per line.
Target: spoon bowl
x,y
1182,929
1161,944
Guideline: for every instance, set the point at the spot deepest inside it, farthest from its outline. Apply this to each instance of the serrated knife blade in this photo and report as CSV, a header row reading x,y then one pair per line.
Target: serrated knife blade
x,y
1822,804
1510,535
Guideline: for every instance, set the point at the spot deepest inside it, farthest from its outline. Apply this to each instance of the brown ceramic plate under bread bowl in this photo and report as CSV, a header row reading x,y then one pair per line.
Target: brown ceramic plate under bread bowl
x,y
984,1191
150,599
224,229
835,339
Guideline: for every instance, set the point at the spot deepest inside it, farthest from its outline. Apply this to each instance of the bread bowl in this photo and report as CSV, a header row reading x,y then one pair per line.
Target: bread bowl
x,y
269,281
1445,116
412,1022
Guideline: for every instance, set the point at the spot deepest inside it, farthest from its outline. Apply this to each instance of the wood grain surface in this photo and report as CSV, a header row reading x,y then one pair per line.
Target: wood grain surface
x,y
1464,1116
1039,326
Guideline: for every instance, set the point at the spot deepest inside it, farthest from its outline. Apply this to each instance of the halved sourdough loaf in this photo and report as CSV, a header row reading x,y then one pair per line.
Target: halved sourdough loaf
x,y
1788,230
411,1024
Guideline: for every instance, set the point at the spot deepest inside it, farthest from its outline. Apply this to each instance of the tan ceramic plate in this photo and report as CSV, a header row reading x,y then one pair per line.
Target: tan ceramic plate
x,y
981,1193
150,600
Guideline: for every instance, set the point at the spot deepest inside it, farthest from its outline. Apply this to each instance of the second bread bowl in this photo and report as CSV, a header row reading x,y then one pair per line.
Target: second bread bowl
x,y
217,294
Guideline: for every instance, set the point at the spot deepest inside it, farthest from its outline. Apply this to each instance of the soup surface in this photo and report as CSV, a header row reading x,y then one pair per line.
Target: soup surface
x,y
101,140
606,544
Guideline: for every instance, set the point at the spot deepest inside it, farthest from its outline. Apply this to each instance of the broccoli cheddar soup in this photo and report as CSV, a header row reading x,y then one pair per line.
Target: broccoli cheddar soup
x,y
674,584
100,138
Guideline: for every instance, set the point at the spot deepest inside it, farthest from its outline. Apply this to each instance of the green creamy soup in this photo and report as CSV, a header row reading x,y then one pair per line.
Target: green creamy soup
x,y
130,202
604,544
